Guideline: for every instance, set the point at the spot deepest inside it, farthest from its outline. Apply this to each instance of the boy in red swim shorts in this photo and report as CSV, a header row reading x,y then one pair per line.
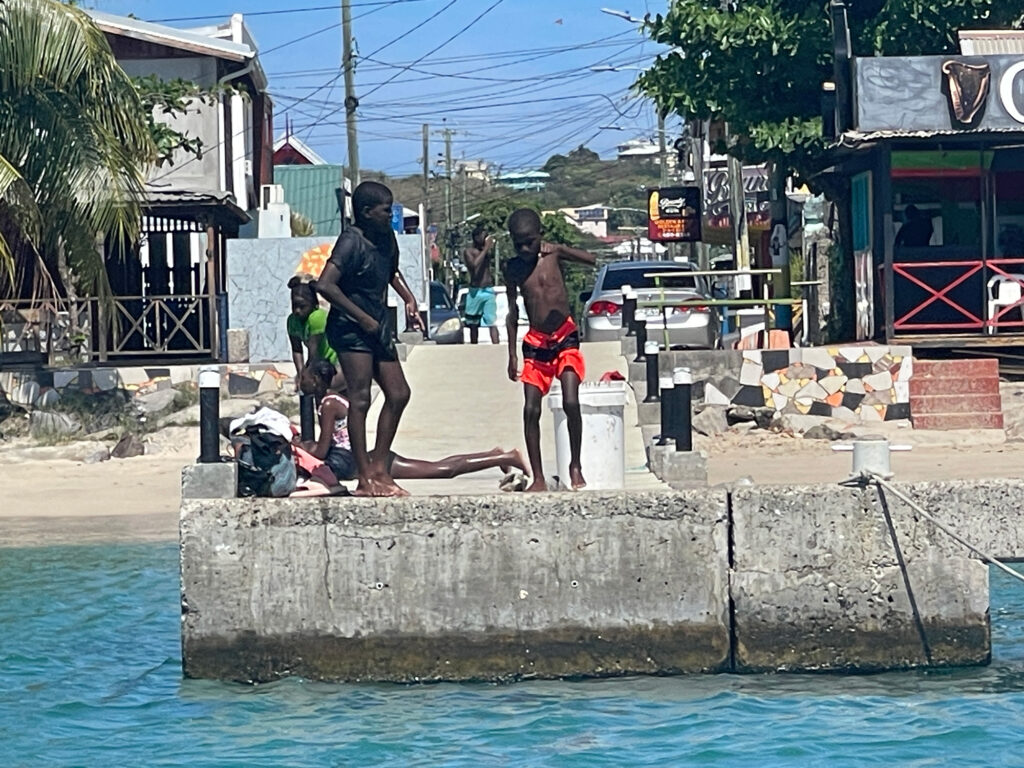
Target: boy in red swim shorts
x,y
551,348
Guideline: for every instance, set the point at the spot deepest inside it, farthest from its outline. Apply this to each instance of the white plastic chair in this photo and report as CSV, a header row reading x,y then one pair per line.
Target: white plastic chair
x,y
1007,293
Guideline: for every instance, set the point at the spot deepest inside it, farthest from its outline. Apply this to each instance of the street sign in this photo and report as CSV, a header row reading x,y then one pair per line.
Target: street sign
x,y
673,215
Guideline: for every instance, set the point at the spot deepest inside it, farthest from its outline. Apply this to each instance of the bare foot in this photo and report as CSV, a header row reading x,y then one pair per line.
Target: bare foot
x,y
379,487
386,485
515,461
576,478
537,486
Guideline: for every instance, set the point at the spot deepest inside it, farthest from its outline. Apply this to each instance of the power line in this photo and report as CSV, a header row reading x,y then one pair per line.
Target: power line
x,y
310,9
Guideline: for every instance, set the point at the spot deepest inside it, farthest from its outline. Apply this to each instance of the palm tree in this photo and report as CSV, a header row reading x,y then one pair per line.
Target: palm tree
x,y
74,145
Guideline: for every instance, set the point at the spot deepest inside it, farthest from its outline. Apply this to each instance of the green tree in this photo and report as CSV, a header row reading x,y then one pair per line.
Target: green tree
x,y
759,65
73,145
164,99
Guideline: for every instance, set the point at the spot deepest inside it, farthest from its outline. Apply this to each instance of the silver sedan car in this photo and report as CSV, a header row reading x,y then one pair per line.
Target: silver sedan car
x,y
697,327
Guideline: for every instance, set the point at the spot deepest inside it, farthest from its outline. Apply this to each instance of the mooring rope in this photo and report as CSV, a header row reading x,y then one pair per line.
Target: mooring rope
x,y
882,483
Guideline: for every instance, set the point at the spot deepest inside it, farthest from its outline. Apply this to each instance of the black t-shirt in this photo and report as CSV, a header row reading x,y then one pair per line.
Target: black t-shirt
x,y
365,276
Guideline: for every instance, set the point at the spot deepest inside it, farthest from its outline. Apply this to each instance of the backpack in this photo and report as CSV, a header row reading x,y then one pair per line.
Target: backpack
x,y
265,465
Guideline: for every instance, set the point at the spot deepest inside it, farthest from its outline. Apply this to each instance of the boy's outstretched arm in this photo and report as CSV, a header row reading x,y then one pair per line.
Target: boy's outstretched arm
x,y
512,326
568,253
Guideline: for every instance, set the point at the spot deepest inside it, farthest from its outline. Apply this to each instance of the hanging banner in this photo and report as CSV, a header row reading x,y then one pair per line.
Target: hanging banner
x,y
674,215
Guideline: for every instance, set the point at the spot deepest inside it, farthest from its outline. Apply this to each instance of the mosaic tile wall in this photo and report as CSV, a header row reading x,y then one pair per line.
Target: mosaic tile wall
x,y
852,383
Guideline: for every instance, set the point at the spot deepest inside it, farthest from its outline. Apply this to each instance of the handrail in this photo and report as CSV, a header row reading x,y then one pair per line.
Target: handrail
x,y
714,273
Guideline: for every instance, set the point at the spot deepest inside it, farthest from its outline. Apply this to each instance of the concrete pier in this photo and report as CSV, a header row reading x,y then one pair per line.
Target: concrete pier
x,y
519,586
455,588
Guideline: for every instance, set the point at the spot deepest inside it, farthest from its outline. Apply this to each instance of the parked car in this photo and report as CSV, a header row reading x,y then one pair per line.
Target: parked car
x,y
445,321
501,300
688,326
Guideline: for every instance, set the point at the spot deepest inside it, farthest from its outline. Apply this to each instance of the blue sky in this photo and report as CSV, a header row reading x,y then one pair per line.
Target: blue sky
x,y
515,87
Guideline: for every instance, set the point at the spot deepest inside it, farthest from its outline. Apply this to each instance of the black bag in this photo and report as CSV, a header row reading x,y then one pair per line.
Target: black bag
x,y
265,465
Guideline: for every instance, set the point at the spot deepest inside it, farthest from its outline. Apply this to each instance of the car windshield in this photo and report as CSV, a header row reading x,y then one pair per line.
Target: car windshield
x,y
635,277
439,298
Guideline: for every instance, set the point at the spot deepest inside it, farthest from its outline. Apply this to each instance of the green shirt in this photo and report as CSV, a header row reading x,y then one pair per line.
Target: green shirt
x,y
315,325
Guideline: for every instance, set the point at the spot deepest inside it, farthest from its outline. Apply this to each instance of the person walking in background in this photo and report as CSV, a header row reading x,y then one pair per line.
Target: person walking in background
x,y
355,280
307,329
552,345
334,446
481,306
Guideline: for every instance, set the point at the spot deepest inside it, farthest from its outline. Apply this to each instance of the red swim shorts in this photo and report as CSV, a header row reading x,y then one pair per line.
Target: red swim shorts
x,y
547,355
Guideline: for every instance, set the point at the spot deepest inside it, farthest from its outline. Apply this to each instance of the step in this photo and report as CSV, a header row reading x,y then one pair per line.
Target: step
x,y
922,386
928,404
983,367
958,421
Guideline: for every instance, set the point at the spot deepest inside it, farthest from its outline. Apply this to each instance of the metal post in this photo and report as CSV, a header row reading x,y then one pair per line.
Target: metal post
x,y
651,350
209,414
667,410
682,427
641,341
307,418
629,298
351,102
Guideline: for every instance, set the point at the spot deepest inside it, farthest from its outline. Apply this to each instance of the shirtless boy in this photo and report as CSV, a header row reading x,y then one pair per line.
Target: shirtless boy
x,y
552,345
481,306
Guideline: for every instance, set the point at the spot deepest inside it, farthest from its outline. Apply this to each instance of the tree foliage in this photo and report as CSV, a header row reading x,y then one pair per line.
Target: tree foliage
x,y
760,65
165,100
73,143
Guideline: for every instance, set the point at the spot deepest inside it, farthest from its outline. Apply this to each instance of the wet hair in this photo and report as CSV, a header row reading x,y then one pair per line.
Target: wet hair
x,y
370,194
524,220
303,289
323,370
479,229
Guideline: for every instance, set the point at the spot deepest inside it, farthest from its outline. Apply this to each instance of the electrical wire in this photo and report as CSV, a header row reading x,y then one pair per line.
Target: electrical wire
x,y
276,12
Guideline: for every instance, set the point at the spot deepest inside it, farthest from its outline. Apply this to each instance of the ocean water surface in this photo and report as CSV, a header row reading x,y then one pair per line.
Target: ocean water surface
x,y
90,675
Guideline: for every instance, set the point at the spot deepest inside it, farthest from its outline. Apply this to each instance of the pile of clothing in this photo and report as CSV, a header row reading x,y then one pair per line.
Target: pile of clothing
x,y
270,463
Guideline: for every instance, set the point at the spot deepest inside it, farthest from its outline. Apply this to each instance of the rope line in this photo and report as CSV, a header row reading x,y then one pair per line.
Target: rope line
x,y
882,483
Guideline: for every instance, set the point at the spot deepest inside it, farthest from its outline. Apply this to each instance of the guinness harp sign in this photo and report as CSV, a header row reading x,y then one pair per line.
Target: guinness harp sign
x,y
967,87
674,215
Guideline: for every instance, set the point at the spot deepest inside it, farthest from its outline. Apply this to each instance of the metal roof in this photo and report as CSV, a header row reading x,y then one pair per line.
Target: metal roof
x,y
164,199
855,138
991,42
311,191
171,37
299,146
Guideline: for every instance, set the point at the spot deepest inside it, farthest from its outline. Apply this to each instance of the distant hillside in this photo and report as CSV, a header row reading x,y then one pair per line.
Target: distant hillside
x,y
577,179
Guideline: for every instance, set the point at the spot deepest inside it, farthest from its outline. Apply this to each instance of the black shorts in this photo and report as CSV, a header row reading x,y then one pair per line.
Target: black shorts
x,y
341,462
350,337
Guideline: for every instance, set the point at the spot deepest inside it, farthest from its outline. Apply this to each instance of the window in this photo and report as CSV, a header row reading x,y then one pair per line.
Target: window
x,y
614,279
439,297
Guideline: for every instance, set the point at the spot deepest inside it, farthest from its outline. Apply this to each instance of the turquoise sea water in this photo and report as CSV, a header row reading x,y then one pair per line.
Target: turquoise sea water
x,y
90,675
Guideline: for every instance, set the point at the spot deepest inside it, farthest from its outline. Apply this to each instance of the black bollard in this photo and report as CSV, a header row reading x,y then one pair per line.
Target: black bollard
x,y
641,341
651,353
307,418
209,414
682,418
667,410
629,310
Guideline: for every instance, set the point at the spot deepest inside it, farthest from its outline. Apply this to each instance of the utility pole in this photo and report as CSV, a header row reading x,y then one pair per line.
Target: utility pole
x,y
448,222
426,172
663,162
738,209
351,102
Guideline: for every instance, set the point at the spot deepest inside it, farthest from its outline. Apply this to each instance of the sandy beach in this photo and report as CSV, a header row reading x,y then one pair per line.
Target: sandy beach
x,y
47,500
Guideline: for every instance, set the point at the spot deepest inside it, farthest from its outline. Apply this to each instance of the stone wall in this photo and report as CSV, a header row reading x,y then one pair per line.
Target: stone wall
x,y
860,383
590,584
